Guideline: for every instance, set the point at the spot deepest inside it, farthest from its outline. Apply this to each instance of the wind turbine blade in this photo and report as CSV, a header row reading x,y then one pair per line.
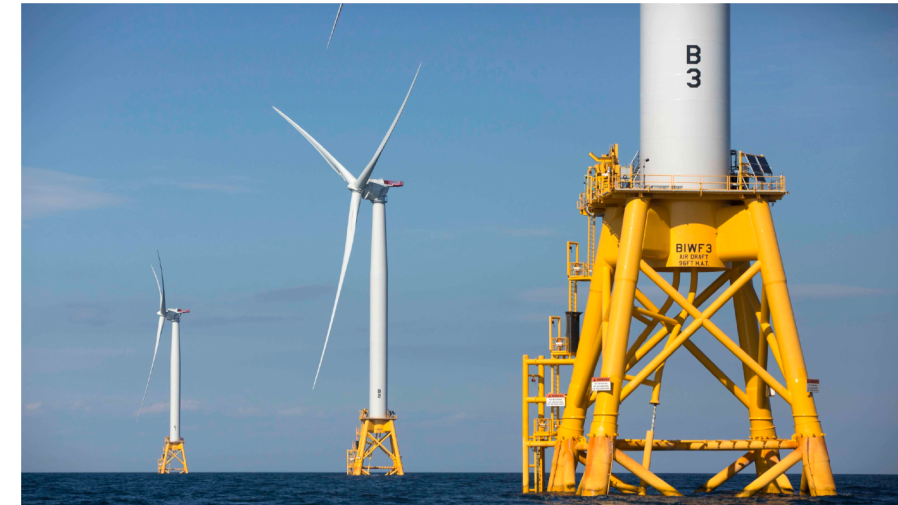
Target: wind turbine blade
x,y
161,289
350,235
363,177
334,28
158,334
340,169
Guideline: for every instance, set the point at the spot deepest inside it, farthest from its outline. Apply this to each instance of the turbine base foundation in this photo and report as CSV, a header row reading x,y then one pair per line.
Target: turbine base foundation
x,y
173,459
724,232
372,435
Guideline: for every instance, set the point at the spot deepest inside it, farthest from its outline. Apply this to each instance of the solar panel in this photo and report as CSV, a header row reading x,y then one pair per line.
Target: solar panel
x,y
764,166
756,167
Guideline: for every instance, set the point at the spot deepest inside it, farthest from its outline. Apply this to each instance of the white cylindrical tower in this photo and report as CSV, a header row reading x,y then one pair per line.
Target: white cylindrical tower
x,y
175,399
685,92
377,393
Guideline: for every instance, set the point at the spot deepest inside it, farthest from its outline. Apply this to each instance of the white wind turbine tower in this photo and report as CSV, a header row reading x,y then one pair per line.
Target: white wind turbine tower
x,y
174,444
377,422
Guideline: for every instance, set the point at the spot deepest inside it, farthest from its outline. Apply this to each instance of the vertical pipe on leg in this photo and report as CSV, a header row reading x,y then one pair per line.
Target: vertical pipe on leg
x,y
175,397
604,426
377,378
815,458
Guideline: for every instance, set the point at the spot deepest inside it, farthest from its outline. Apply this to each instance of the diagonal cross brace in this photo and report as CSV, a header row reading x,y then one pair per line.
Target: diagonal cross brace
x,y
702,319
370,451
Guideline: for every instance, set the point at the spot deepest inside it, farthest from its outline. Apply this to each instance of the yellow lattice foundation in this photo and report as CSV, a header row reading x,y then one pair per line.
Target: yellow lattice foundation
x,y
172,454
374,434
723,228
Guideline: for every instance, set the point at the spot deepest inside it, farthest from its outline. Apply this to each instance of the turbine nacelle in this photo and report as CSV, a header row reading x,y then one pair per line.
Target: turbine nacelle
x,y
174,314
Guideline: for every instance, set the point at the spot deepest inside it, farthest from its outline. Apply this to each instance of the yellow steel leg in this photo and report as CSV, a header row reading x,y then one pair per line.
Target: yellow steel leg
x,y
815,461
394,445
603,431
570,431
815,458
758,403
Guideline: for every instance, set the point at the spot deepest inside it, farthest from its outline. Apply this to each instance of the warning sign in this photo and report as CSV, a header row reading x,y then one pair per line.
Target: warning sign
x,y
813,385
601,383
555,399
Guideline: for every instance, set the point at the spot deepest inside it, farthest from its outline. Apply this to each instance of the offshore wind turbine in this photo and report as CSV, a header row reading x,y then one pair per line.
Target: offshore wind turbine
x,y
174,444
377,421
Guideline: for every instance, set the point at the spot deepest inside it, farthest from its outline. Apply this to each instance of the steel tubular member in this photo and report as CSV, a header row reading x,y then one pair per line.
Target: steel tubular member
x,y
645,475
725,474
631,352
815,457
571,426
770,475
626,274
630,444
716,372
637,355
704,319
762,313
700,318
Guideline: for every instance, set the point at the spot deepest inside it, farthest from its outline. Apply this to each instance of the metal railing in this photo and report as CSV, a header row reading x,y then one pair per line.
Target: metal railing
x,y
599,185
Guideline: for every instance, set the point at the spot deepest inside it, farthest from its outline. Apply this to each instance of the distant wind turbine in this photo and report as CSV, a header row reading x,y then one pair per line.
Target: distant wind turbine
x,y
173,443
374,190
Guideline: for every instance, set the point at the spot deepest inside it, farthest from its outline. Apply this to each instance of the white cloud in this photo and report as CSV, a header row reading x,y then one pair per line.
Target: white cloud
x,y
48,192
830,291
230,184
33,406
43,360
155,408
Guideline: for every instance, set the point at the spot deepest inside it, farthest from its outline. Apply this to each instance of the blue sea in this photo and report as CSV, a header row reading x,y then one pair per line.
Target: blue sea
x,y
414,488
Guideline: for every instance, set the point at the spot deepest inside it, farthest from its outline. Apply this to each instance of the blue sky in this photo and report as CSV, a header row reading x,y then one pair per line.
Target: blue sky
x,y
150,127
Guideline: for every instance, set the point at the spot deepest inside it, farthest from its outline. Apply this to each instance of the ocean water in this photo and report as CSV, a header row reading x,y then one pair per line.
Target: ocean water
x,y
414,488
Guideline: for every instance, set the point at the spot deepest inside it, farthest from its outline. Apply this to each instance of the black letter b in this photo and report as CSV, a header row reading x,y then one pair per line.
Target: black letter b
x,y
693,55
